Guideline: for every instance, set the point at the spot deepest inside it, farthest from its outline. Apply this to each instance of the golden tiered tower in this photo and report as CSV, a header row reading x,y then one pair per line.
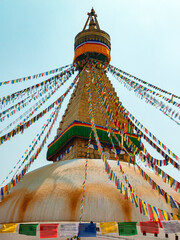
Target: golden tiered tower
x,y
71,142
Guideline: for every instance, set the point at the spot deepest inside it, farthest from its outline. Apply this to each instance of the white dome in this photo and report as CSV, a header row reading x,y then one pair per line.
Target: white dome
x,y
54,192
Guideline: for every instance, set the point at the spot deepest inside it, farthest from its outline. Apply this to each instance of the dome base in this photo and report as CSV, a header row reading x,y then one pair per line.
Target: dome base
x,y
54,193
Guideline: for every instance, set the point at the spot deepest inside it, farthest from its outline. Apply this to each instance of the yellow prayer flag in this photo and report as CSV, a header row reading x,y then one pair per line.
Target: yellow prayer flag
x,y
123,190
165,215
154,214
8,228
175,217
108,227
168,198
144,208
129,194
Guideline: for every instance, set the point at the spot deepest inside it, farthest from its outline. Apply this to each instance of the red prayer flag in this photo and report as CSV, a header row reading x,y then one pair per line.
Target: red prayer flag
x,y
149,227
140,206
48,230
160,223
151,216
160,215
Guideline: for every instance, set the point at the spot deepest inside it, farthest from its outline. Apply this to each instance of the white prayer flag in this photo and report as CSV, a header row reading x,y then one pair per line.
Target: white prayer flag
x,y
172,226
68,230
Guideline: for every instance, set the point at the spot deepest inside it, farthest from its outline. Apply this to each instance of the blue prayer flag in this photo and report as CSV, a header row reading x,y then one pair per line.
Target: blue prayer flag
x,y
87,230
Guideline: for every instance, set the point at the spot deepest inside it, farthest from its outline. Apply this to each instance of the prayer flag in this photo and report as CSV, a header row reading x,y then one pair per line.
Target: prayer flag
x,y
28,229
171,226
48,230
8,228
87,230
151,216
127,228
108,227
68,230
160,215
149,227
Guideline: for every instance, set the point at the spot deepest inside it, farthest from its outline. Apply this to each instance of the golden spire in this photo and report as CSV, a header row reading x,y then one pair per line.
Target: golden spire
x,y
92,17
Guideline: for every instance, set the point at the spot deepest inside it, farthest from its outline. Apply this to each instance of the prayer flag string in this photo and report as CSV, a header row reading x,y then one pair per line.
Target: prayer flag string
x,y
168,198
159,172
172,181
24,103
173,203
28,151
135,122
69,231
112,175
21,128
84,182
139,90
38,104
14,96
35,76
144,82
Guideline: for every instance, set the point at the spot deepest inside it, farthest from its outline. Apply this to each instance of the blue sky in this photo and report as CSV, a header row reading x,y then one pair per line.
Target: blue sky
x,y
37,36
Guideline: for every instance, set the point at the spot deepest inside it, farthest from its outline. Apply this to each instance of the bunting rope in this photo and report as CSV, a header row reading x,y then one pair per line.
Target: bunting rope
x,y
159,172
120,107
84,182
153,160
24,103
27,124
132,119
35,107
15,106
109,230
175,164
138,89
129,116
169,199
102,98
17,178
173,203
14,96
35,76
109,130
148,209
169,112
144,82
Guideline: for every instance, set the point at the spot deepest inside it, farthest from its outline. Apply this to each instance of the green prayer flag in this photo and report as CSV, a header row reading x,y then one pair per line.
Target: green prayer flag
x,y
28,229
127,228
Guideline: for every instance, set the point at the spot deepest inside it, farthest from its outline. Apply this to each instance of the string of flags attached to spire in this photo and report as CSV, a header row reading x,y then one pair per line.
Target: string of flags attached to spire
x,y
145,208
159,172
169,199
149,85
130,117
38,104
136,124
20,128
17,177
142,92
84,182
39,86
35,76
173,183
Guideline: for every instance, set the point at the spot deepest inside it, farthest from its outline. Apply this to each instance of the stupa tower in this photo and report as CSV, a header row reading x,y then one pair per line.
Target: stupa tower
x,y
56,192
73,133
